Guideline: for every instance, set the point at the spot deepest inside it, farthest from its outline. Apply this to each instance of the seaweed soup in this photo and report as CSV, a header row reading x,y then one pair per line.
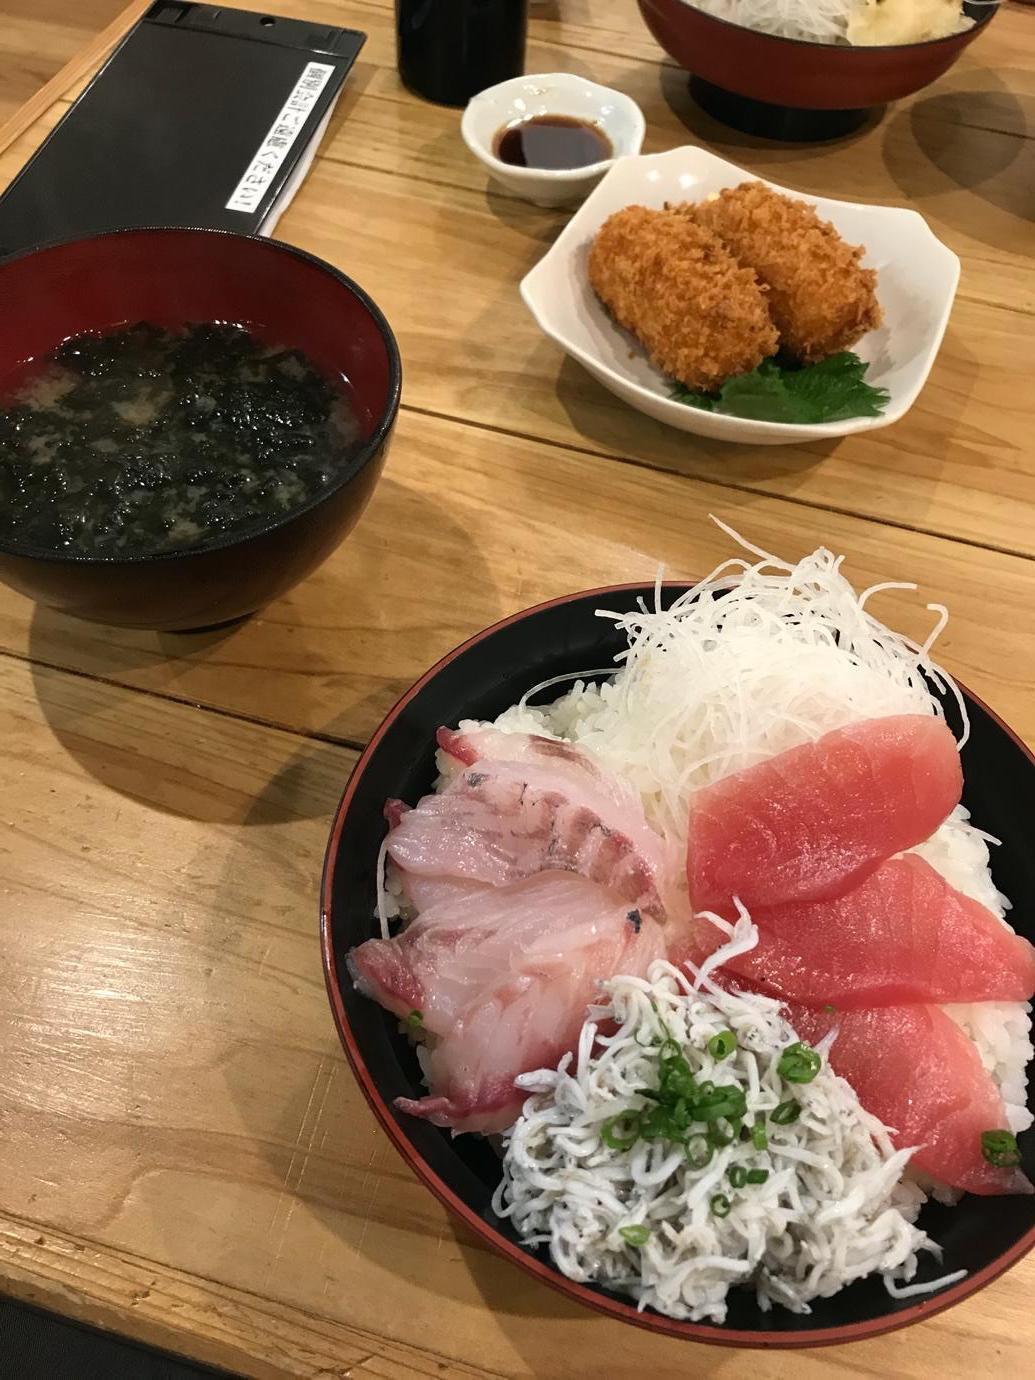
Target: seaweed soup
x,y
145,440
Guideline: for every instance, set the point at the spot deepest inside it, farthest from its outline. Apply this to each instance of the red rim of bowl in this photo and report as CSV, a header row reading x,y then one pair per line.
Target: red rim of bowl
x,y
990,8
625,1312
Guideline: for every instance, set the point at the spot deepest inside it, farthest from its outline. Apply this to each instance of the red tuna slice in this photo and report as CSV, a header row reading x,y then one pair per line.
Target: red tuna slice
x,y
903,935
500,821
916,1070
504,979
811,823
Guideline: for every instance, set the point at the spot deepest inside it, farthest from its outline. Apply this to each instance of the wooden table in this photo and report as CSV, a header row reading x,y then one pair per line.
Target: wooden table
x,y
183,1155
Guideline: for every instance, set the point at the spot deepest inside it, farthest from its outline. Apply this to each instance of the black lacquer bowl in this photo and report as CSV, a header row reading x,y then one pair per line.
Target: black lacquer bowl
x,y
985,1236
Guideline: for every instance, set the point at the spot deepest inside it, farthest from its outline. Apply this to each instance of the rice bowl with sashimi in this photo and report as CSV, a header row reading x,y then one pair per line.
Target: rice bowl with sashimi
x,y
754,824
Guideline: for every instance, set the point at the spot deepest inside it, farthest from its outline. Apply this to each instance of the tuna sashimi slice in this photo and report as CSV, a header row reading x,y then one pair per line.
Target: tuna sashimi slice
x,y
499,821
916,1070
504,980
903,935
812,822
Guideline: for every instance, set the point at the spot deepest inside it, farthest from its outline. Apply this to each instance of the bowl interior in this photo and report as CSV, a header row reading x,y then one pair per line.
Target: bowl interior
x,y
173,277
981,1235
553,94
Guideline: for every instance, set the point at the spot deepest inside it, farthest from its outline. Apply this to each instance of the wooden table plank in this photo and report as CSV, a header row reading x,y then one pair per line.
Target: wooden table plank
x,y
395,171
185,1154
466,527
198,1317
964,174
959,464
39,36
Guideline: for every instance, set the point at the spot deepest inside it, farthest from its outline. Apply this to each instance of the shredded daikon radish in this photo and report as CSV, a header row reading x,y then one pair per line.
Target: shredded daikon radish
x,y
833,1209
758,657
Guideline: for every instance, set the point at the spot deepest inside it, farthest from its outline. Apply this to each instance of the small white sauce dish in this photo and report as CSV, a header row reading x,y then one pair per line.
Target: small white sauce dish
x,y
553,93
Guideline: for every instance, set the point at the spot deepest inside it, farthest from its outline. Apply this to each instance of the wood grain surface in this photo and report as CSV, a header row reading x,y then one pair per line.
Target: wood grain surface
x,y
183,1155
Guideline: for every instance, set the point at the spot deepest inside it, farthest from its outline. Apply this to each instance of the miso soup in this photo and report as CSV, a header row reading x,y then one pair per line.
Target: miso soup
x,y
147,440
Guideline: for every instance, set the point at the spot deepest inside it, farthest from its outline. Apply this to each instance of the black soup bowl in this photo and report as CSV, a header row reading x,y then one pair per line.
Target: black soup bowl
x,y
479,680
172,278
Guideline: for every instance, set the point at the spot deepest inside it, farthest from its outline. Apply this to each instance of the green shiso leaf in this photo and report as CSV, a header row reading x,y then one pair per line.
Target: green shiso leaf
x,y
831,391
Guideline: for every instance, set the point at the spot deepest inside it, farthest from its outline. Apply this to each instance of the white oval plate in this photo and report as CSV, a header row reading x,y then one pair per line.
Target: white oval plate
x,y
917,278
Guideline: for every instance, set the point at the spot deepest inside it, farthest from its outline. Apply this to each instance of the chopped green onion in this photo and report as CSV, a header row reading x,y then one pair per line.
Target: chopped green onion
x,y
737,1175
1000,1148
799,1064
636,1236
785,1113
415,1020
706,1088
720,1205
698,1152
721,1046
757,1176
729,1102
759,1139
663,1122
615,1141
677,1080
719,1136
829,1007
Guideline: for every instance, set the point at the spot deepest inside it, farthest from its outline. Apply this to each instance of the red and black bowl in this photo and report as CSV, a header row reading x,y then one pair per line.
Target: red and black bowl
x,y
480,679
786,88
171,278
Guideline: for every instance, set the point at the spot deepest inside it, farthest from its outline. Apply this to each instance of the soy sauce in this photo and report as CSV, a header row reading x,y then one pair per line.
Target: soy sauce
x,y
555,142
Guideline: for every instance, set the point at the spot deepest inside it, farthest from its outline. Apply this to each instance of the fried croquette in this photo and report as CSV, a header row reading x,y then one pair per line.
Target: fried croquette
x,y
821,300
699,315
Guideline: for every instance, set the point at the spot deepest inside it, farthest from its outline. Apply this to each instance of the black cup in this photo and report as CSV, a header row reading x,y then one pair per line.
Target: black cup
x,y
449,50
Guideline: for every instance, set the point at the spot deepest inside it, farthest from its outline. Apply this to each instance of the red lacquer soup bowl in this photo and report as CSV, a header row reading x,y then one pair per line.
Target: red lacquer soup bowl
x,y
172,278
480,679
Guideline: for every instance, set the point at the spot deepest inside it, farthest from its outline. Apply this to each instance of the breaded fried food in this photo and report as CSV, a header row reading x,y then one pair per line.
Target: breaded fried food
x,y
697,313
820,298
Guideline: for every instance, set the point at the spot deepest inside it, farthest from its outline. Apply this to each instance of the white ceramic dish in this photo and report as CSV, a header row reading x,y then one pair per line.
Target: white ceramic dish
x,y
553,93
916,286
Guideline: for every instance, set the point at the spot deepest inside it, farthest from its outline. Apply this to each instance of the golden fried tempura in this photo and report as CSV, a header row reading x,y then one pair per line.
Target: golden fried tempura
x,y
700,317
819,297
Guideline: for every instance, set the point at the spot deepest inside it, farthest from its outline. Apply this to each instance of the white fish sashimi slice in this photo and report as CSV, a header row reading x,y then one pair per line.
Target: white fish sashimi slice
x,y
569,769
465,747
499,821
506,987
445,959
426,893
